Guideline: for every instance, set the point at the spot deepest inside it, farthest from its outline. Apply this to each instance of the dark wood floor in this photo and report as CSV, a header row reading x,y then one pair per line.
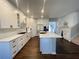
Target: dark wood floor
x,y
65,50
66,47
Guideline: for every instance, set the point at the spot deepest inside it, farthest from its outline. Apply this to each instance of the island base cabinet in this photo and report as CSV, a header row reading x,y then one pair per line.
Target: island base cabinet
x,y
48,45
5,51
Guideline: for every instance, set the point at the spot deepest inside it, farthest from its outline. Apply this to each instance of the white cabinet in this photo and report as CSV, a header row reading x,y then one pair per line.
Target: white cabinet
x,y
48,45
19,43
13,46
10,48
67,33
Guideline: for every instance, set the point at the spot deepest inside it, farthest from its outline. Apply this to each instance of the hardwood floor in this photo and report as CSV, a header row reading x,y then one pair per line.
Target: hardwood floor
x,y
66,47
65,50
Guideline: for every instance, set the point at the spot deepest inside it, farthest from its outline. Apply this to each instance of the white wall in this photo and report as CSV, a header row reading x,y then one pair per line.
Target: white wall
x,y
75,31
72,19
73,23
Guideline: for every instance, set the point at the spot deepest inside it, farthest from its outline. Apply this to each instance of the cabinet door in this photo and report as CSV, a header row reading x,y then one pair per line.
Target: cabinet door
x,y
14,51
48,45
5,50
13,45
19,43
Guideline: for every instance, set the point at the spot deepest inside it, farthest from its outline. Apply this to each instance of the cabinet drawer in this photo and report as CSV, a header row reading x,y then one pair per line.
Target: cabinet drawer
x,y
14,46
13,42
14,51
21,38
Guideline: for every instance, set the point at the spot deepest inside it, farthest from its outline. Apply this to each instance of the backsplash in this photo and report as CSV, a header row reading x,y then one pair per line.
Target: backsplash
x,y
5,30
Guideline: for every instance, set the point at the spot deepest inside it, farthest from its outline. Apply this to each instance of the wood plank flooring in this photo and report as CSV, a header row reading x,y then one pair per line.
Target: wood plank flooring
x,y
66,47
65,50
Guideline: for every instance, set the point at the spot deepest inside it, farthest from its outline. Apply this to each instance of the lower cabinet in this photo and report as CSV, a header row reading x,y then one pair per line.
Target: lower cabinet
x,y
48,45
9,49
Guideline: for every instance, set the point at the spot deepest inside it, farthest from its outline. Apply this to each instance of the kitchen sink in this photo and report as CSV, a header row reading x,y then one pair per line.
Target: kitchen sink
x,y
42,32
22,33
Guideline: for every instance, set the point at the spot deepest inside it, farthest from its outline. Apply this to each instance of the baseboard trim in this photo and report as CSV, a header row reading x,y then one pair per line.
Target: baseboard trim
x,y
48,53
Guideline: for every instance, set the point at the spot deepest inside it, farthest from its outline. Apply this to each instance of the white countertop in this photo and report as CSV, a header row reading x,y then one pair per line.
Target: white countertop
x,y
50,35
7,39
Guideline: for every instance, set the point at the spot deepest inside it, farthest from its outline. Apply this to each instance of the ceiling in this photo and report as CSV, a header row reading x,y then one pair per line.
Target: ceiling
x,y
53,8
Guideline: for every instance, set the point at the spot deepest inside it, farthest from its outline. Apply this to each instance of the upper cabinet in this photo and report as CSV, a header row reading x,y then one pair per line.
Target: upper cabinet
x,y
8,16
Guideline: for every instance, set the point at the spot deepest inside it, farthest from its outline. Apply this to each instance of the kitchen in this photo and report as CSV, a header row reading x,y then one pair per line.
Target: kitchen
x,y
23,20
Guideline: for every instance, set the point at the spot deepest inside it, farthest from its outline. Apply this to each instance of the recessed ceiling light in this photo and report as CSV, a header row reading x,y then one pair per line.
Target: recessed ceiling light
x,y
42,16
24,16
28,11
16,11
42,11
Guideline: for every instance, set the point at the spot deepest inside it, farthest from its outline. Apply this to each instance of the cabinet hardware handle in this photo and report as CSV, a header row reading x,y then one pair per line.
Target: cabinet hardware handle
x,y
13,41
14,52
14,46
21,39
22,44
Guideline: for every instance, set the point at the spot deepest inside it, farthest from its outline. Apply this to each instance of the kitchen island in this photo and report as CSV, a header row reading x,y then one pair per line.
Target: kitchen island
x,y
48,42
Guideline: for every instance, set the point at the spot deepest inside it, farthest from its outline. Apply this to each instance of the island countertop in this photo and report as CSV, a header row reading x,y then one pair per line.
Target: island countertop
x,y
48,42
50,35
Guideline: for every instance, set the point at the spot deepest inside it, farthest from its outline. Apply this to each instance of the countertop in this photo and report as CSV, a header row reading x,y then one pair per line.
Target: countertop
x,y
6,37
50,35
12,37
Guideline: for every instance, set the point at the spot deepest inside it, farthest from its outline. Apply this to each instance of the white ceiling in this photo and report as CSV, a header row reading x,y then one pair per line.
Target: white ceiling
x,y
53,8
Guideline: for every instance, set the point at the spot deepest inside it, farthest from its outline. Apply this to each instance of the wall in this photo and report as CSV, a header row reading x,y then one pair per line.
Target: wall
x,y
75,31
72,19
73,23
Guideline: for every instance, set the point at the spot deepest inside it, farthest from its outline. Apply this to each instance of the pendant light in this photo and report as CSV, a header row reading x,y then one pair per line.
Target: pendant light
x,y
42,10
